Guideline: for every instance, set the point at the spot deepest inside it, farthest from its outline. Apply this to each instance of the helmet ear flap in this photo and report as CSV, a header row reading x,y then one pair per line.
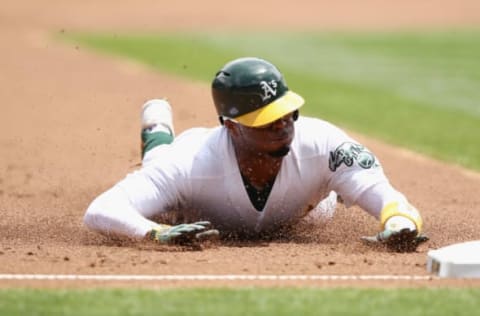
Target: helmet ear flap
x,y
295,115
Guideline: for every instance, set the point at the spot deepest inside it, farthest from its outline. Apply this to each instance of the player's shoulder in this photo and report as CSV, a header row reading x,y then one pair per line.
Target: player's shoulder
x,y
194,144
194,136
201,150
315,137
312,128
198,141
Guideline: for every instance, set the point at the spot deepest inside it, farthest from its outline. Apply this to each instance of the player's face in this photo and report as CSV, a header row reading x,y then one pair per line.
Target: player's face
x,y
274,138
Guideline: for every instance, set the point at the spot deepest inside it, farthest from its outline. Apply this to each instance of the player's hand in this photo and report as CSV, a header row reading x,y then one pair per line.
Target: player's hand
x,y
400,235
183,233
405,240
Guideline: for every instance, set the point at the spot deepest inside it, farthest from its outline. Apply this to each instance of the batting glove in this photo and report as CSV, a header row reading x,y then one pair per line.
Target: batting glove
x,y
183,233
401,228
405,240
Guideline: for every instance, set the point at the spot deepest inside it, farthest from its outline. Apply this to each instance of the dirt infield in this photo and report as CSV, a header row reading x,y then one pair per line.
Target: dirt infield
x,y
70,129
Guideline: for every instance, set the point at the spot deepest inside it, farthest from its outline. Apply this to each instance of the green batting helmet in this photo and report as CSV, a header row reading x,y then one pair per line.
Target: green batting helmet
x,y
253,92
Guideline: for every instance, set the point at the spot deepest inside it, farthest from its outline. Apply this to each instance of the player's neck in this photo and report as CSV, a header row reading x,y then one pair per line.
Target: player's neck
x,y
259,168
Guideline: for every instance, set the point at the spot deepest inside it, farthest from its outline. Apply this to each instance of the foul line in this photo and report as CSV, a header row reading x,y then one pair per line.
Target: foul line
x,y
207,277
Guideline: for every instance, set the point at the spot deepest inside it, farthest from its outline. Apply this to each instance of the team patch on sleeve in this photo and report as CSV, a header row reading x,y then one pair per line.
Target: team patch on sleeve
x,y
350,153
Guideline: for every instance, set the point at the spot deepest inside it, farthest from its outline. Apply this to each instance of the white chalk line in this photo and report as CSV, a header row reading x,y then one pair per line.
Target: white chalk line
x,y
209,277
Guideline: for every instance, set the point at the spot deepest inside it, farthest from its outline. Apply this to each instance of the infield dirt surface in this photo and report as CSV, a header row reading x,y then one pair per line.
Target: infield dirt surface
x,y
69,129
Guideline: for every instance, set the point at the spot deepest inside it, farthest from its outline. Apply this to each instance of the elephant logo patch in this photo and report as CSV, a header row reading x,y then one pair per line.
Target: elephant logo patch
x,y
349,153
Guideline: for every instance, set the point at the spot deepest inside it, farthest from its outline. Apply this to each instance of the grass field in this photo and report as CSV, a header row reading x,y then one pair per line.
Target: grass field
x,y
211,302
417,90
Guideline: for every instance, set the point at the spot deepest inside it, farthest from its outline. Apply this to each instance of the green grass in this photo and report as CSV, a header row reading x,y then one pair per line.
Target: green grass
x,y
417,90
270,301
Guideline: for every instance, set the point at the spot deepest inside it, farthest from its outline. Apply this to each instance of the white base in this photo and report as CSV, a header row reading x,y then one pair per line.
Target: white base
x,y
456,261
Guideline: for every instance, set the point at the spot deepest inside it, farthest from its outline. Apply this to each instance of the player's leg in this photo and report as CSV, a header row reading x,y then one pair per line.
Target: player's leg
x,y
157,124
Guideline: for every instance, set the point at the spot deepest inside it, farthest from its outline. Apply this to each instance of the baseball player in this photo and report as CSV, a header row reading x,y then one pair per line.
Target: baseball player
x,y
261,170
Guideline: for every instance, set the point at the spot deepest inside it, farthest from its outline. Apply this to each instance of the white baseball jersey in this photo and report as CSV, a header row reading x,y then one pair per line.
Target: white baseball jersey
x,y
198,176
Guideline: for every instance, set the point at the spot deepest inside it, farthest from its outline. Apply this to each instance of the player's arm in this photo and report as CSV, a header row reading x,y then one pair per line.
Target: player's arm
x,y
124,211
112,213
356,175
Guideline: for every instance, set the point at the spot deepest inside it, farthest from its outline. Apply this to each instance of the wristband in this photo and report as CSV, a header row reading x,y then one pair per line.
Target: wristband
x,y
405,210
